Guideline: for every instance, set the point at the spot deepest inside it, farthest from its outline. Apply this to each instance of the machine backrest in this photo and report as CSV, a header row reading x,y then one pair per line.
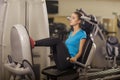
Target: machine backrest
x,y
86,50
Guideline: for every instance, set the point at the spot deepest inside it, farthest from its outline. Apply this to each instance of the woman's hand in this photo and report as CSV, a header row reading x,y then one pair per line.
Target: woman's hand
x,y
73,59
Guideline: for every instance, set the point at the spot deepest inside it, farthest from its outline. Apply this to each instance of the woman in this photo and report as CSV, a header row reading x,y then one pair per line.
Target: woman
x,y
73,45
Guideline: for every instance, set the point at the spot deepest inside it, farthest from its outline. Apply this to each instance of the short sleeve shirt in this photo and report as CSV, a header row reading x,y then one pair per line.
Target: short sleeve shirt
x,y
73,42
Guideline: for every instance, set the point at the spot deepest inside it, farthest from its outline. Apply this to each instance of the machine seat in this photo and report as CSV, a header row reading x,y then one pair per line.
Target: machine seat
x,y
53,73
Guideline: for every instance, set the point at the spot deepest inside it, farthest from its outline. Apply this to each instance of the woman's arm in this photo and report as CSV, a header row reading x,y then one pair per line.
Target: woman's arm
x,y
82,42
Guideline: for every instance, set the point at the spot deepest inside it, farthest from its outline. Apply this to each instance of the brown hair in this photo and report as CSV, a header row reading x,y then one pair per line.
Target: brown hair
x,y
78,14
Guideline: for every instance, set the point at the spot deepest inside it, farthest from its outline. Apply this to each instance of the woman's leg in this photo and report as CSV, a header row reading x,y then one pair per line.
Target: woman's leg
x,y
47,42
61,55
60,52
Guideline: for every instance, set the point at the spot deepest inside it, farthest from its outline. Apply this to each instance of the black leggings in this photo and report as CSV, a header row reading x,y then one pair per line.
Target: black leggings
x,y
60,52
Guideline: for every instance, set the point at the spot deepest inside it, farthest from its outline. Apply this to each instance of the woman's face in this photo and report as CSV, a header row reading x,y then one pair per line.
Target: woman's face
x,y
74,20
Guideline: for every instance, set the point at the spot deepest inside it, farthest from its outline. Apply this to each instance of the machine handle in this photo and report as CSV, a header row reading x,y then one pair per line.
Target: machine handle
x,y
76,62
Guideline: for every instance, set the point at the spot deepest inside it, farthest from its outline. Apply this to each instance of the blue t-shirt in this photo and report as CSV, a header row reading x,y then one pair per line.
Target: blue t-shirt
x,y
73,41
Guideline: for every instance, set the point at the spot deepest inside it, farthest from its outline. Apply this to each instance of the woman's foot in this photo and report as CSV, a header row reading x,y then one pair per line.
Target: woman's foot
x,y
32,42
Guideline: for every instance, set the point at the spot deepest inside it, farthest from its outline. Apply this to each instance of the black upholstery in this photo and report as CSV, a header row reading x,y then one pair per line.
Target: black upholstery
x,y
86,50
54,74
